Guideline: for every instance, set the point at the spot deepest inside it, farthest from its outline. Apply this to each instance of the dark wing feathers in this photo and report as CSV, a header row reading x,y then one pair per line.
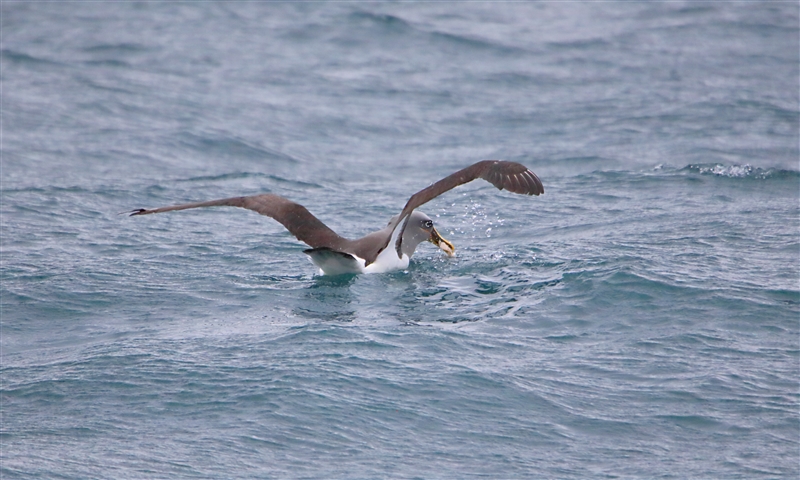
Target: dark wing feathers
x,y
511,176
296,218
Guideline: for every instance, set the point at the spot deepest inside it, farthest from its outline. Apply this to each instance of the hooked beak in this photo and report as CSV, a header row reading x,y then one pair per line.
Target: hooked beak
x,y
440,242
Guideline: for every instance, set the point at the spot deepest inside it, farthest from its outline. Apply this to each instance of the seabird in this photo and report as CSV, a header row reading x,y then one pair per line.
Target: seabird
x,y
336,255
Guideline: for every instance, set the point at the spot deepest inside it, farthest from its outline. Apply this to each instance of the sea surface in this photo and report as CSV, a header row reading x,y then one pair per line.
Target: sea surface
x,y
641,319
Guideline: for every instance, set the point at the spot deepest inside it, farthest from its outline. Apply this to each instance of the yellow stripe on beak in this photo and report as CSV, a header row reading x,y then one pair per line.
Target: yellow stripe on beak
x,y
442,243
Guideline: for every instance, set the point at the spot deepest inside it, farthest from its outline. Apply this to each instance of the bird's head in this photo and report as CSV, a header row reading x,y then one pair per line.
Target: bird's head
x,y
420,229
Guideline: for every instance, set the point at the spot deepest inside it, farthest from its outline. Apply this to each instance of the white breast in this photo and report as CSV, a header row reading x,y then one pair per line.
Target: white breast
x,y
387,261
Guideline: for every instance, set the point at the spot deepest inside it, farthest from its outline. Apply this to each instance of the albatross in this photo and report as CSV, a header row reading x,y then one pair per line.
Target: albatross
x,y
387,249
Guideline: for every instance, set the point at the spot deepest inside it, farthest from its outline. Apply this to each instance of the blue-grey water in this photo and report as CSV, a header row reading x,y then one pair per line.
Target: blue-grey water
x,y
641,319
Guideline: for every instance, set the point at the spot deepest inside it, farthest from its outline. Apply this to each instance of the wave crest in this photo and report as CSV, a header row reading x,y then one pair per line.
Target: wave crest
x,y
740,171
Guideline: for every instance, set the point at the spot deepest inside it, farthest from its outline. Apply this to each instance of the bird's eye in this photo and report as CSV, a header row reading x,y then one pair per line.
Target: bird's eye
x,y
428,224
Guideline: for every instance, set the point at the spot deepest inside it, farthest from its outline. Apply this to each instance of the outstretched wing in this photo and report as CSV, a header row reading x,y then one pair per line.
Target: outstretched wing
x,y
296,218
511,176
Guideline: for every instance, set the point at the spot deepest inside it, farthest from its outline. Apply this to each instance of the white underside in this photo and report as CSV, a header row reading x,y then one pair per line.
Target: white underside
x,y
334,264
330,263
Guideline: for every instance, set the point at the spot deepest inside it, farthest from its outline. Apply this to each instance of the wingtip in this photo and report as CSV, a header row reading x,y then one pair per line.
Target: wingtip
x,y
535,185
511,176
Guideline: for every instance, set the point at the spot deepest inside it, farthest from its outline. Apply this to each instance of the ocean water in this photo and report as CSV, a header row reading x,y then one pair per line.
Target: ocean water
x,y
641,319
